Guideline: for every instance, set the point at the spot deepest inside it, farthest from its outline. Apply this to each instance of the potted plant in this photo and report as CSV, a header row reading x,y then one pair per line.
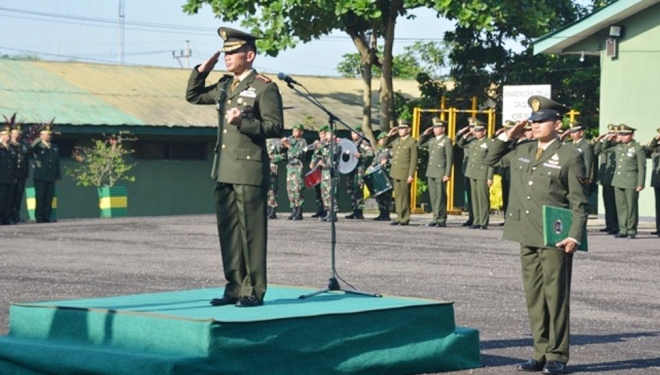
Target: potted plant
x,y
103,165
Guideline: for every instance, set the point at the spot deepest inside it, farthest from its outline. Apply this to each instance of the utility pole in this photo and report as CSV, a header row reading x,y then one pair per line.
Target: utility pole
x,y
121,32
187,55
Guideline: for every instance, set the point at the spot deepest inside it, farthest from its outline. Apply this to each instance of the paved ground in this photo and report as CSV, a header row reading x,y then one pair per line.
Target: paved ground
x,y
615,298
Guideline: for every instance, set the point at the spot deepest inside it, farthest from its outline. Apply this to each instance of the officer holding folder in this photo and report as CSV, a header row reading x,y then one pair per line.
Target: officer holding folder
x,y
544,172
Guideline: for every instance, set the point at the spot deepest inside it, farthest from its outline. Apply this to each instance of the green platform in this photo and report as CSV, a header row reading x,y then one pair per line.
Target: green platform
x,y
180,333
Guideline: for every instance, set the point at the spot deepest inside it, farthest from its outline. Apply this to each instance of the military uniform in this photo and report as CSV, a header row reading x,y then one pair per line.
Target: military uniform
x,y
316,150
325,160
604,176
8,173
479,174
275,156
295,183
586,150
22,174
438,168
241,170
404,164
383,160
355,179
630,173
467,195
553,176
653,153
45,160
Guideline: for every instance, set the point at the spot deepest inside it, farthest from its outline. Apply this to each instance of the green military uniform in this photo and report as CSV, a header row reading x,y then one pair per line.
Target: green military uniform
x,y
505,174
241,168
404,164
22,173
295,184
653,153
316,150
479,174
586,150
467,195
553,177
327,192
383,160
630,173
355,179
275,156
45,160
8,173
605,175
438,167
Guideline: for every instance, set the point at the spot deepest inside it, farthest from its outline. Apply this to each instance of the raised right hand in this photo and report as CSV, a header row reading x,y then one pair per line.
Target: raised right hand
x,y
208,65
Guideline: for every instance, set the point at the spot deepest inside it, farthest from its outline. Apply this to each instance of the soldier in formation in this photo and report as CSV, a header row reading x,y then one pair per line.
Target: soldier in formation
x,y
275,155
296,147
653,153
404,164
480,174
355,179
315,149
604,176
438,168
46,172
8,173
383,160
22,170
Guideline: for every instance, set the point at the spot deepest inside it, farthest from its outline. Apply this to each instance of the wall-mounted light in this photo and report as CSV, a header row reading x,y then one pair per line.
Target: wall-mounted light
x,y
582,56
616,31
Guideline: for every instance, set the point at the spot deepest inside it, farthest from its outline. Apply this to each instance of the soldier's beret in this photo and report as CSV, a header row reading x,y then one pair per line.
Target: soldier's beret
x,y
625,129
437,122
298,126
575,127
235,39
403,123
544,109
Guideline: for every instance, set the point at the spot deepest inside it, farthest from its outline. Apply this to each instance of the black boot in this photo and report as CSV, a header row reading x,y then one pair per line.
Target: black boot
x,y
350,216
359,215
293,214
299,215
323,214
330,217
379,217
319,213
271,213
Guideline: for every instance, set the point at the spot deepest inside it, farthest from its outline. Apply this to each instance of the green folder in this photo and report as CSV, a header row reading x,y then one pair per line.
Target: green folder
x,y
556,225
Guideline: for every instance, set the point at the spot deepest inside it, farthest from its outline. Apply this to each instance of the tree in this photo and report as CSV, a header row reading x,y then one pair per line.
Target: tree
x,y
102,165
284,23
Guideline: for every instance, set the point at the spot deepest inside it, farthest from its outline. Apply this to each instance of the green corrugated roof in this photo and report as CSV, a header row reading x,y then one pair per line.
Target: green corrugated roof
x,y
98,94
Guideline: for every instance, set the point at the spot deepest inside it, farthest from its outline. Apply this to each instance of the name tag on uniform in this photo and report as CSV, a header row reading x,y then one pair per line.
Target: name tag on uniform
x,y
548,165
524,160
249,93
484,145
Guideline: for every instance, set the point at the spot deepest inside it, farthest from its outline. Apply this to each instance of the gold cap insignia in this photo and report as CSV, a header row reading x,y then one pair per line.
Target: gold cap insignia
x,y
536,105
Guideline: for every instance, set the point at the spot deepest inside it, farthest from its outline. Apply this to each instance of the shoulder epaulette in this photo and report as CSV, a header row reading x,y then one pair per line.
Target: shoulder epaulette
x,y
264,78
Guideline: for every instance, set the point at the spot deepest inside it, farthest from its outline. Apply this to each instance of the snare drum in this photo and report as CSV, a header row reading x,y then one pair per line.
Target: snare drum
x,y
377,181
313,177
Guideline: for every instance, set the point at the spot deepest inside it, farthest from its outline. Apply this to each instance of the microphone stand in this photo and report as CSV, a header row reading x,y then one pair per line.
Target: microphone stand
x,y
333,283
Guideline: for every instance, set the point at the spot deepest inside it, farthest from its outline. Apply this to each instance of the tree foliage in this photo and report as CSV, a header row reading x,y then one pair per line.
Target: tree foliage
x,y
103,164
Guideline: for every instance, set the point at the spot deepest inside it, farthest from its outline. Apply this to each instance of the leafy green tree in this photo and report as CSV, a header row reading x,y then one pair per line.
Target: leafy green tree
x,y
103,164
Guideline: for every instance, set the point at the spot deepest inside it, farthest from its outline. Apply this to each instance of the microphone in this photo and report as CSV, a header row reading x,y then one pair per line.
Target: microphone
x,y
287,79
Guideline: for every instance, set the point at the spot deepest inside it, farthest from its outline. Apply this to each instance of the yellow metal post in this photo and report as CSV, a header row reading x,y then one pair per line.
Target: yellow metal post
x,y
416,124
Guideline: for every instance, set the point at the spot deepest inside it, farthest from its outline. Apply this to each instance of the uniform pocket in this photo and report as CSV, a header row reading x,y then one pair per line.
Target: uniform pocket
x,y
248,154
513,214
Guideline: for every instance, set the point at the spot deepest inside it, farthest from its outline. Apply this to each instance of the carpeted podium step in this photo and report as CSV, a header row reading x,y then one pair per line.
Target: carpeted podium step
x,y
180,333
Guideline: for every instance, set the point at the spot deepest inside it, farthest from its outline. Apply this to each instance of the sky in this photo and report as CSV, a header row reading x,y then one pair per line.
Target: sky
x,y
87,30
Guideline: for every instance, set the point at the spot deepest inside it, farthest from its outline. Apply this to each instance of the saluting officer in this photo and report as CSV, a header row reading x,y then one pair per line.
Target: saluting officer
x,y
22,171
296,147
480,174
404,164
249,111
653,152
45,158
548,173
8,171
355,179
605,174
504,171
576,132
438,168
466,179
628,179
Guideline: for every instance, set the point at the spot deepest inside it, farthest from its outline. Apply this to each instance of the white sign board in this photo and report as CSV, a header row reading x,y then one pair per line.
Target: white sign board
x,y
514,103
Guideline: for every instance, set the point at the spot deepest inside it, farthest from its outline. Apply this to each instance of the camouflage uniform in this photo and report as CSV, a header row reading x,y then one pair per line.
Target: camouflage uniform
x,y
384,200
294,171
317,148
276,156
326,181
355,179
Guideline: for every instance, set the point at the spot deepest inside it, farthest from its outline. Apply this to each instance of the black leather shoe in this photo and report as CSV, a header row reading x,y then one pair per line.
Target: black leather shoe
x,y
632,235
432,224
620,235
468,223
318,214
359,215
350,216
441,225
655,233
605,230
299,214
250,301
394,223
293,214
475,227
554,368
530,366
406,223
378,218
224,301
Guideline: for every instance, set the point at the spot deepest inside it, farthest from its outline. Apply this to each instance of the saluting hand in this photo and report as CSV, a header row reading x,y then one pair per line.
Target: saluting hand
x,y
208,65
428,131
517,130
392,132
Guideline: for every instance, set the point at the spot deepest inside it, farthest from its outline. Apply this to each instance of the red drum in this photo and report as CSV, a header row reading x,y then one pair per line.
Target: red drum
x,y
313,177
